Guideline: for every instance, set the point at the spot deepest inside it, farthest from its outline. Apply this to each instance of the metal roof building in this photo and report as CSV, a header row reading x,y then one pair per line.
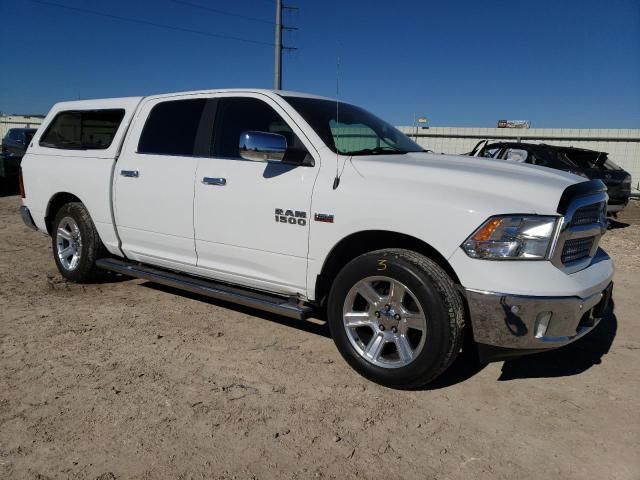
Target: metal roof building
x,y
18,121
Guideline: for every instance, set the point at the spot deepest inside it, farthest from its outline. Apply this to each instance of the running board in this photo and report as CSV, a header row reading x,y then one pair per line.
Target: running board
x,y
289,307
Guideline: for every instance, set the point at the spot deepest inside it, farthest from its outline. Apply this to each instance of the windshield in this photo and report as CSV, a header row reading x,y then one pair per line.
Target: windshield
x,y
350,130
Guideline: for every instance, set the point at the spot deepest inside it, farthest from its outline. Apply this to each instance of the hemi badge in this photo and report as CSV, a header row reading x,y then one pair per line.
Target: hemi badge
x,y
323,217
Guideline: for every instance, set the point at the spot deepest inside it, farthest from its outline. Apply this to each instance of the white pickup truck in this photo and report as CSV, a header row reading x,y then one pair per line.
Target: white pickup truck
x,y
298,205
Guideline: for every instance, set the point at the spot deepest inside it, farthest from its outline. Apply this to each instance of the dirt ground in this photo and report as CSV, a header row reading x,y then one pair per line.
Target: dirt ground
x,y
126,379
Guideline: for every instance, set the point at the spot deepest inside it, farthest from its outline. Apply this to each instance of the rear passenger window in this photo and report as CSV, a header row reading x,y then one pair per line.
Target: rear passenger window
x,y
82,129
172,127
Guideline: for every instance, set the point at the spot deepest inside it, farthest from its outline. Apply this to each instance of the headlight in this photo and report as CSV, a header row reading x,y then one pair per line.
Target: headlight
x,y
511,237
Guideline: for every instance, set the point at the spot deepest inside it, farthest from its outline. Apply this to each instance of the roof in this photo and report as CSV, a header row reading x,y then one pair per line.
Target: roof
x,y
543,146
282,93
522,144
575,149
117,102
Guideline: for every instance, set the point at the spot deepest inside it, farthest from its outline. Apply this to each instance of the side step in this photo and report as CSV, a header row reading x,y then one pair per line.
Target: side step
x,y
290,307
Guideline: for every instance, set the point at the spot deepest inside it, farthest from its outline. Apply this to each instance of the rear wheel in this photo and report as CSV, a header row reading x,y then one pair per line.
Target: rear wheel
x,y
396,317
76,244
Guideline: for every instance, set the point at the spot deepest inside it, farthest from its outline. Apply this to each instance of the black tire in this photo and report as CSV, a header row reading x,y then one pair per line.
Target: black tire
x,y
92,247
436,293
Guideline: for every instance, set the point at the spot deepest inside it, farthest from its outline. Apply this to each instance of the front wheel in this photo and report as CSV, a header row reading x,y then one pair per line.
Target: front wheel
x,y
76,244
396,317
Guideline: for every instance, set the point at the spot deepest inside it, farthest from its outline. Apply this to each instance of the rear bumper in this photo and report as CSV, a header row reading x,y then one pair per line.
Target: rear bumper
x,y
27,218
511,325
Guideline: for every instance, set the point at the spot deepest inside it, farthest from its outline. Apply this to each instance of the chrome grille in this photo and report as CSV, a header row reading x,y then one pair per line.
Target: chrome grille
x,y
587,215
580,231
576,249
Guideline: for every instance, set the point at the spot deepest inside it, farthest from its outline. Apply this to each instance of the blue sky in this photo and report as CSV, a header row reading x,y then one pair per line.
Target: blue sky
x,y
461,63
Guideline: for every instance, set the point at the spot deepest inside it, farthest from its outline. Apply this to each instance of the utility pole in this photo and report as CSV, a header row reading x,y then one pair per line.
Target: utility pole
x,y
277,77
277,70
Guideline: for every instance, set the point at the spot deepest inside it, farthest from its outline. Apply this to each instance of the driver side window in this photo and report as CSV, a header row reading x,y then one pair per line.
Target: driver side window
x,y
241,114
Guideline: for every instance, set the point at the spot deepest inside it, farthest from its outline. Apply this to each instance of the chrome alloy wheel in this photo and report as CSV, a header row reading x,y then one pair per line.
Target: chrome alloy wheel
x,y
384,322
68,243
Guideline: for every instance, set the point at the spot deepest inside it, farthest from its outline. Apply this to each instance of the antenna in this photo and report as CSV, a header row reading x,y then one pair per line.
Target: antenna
x,y
336,181
339,172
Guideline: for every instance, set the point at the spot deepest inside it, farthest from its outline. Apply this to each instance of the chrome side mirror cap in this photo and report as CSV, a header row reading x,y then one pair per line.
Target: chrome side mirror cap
x,y
262,146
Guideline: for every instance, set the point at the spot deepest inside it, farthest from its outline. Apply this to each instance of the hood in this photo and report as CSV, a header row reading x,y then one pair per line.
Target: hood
x,y
478,185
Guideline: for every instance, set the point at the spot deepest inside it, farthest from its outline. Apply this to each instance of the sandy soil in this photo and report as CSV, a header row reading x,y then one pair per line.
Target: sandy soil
x,y
126,379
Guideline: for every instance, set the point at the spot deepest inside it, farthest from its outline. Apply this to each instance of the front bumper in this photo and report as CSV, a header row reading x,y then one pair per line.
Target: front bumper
x,y
512,325
617,207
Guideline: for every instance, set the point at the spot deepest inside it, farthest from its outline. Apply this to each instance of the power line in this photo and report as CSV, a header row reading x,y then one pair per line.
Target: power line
x,y
238,15
223,12
152,24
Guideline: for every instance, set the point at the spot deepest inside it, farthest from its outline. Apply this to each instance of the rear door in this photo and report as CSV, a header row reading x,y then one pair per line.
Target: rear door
x,y
154,181
251,218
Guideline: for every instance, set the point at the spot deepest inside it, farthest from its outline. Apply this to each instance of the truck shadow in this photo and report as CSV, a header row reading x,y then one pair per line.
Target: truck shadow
x,y
570,360
573,359
311,326
467,365
615,224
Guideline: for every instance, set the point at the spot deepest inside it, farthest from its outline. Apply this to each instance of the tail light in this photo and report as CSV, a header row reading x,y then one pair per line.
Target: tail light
x,y
21,183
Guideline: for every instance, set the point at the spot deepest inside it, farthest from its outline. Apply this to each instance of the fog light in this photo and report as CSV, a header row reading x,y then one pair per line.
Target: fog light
x,y
542,323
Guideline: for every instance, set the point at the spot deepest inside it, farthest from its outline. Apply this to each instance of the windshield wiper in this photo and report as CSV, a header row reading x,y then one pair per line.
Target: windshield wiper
x,y
375,151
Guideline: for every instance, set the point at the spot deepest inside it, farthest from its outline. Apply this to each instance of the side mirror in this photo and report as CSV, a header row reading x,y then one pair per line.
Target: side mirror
x,y
262,146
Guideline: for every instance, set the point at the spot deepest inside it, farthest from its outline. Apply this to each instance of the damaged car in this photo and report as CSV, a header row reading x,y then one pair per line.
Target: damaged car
x,y
586,163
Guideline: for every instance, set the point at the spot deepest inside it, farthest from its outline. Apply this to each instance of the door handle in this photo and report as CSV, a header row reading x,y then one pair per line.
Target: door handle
x,y
130,173
219,182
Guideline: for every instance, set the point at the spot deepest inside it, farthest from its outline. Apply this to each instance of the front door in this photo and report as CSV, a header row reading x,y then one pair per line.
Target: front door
x,y
251,219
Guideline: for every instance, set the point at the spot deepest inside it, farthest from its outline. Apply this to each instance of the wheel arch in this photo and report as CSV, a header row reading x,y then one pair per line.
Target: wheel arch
x,y
56,202
362,242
